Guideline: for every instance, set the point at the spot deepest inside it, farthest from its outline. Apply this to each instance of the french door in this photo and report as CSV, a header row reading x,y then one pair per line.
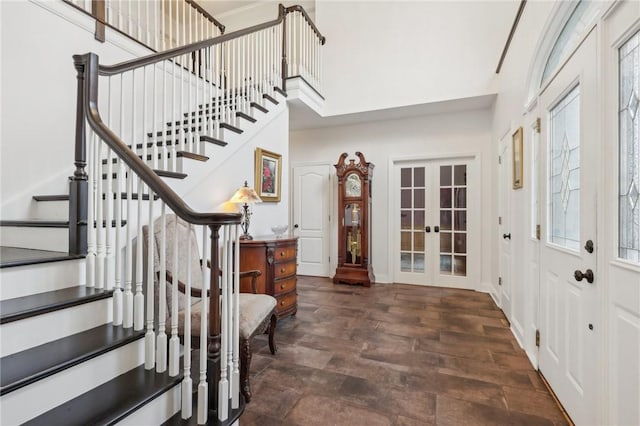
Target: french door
x,y
569,281
434,233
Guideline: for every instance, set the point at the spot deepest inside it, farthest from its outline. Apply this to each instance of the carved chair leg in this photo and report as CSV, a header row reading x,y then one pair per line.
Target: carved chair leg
x,y
272,330
245,367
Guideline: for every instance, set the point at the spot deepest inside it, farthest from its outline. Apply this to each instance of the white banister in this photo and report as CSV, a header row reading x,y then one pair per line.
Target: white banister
x,y
94,173
150,337
161,344
174,341
186,409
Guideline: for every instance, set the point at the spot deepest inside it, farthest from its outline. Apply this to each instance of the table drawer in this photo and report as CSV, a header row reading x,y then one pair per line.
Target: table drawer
x,y
285,253
285,269
286,302
284,286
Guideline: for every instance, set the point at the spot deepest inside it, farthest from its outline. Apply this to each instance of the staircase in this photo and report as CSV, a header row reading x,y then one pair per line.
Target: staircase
x,y
62,356
81,340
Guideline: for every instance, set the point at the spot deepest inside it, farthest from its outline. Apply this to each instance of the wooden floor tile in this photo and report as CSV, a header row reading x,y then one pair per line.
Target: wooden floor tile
x,y
395,355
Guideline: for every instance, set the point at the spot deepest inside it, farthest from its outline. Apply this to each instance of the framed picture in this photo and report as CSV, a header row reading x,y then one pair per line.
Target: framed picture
x,y
517,159
268,175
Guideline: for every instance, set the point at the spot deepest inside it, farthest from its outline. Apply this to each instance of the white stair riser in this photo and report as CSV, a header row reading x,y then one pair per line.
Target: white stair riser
x,y
32,400
19,281
24,334
51,210
157,411
55,239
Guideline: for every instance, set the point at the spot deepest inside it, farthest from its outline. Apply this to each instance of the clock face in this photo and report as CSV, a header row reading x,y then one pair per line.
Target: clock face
x,y
352,186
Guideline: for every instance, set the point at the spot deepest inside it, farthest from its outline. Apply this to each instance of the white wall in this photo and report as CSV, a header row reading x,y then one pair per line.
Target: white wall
x,y
463,132
217,188
386,54
39,95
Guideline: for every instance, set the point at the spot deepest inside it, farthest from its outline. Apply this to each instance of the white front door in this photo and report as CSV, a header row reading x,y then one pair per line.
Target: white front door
x,y
569,315
504,281
435,222
311,217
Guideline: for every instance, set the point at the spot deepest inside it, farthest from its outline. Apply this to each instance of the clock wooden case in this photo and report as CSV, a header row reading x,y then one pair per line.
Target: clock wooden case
x,y
354,221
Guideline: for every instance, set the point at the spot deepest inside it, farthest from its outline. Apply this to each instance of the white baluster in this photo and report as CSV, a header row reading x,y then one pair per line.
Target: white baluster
x,y
100,231
118,300
95,172
148,24
223,384
150,337
120,20
138,300
186,381
235,377
203,394
127,320
161,346
174,341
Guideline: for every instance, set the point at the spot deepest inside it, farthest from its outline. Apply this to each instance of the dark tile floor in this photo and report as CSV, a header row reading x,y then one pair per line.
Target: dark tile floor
x,y
395,355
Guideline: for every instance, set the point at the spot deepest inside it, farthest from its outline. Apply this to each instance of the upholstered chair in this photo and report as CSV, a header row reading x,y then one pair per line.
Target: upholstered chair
x,y
257,311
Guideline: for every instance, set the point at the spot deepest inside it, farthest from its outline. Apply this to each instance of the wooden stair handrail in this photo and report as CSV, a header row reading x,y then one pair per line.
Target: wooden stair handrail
x,y
298,8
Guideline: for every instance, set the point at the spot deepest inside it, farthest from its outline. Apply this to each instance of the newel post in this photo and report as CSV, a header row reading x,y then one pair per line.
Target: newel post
x,y
78,185
214,342
285,66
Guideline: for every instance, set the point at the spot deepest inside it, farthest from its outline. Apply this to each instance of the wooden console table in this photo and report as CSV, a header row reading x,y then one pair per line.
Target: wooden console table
x,y
276,259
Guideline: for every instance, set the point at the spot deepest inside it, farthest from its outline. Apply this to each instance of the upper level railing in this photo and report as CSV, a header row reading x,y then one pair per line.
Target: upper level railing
x,y
303,48
158,24
135,121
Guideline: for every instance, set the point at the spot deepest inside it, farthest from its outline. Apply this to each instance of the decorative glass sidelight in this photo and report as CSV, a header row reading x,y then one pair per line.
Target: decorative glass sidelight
x,y
453,220
629,154
412,219
564,171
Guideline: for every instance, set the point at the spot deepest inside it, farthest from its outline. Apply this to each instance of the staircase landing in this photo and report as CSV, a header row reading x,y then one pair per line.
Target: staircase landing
x,y
16,256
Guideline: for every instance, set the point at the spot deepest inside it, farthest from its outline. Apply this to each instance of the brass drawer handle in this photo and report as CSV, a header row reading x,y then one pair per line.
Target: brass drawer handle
x,y
281,254
282,303
282,286
282,269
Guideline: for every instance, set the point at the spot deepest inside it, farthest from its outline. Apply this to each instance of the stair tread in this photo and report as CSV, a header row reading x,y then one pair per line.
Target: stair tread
x,y
270,98
211,139
192,156
234,414
246,116
59,197
166,173
231,127
111,401
35,223
28,366
259,107
17,256
42,303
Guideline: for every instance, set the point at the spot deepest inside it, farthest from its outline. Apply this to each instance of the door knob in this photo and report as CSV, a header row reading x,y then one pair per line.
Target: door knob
x,y
427,229
589,246
507,236
436,229
295,226
588,275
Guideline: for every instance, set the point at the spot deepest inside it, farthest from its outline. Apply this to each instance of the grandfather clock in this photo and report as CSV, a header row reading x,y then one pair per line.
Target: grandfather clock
x,y
354,221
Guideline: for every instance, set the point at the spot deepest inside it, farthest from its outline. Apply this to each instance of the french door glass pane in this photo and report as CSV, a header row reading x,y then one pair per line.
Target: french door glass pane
x,y
453,180
564,171
629,155
412,219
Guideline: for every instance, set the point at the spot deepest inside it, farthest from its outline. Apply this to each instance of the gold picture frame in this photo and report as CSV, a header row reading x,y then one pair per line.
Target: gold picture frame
x,y
518,169
268,175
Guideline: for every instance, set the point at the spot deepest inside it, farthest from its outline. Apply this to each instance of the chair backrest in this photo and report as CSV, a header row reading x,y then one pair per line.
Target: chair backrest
x,y
176,229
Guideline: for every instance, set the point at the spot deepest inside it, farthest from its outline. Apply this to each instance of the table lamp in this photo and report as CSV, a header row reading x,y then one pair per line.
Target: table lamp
x,y
245,196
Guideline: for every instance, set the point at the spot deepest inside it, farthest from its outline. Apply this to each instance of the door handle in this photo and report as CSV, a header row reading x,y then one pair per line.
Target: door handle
x,y
507,236
427,229
589,246
436,229
295,226
579,275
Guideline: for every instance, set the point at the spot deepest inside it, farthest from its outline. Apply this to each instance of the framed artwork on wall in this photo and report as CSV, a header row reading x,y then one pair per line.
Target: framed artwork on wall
x,y
517,159
268,175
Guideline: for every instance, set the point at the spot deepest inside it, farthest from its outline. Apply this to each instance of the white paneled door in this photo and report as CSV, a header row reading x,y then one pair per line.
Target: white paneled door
x,y
434,224
504,226
311,217
570,325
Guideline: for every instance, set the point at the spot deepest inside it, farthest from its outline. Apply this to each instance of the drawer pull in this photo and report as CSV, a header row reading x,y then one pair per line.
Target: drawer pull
x,y
282,303
282,270
281,254
281,286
